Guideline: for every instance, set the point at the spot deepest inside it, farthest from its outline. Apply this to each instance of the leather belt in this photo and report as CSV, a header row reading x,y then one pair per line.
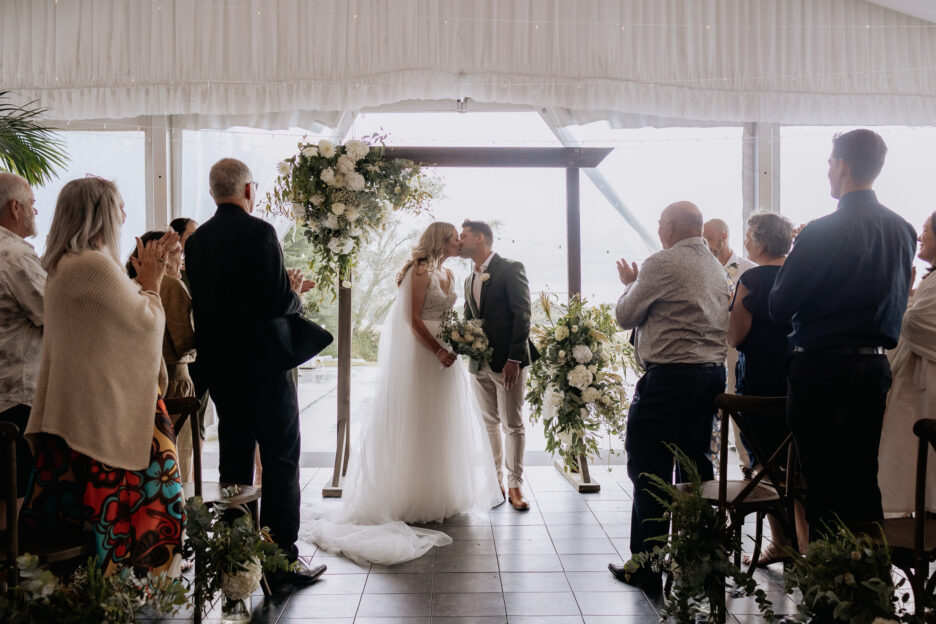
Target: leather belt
x,y
844,350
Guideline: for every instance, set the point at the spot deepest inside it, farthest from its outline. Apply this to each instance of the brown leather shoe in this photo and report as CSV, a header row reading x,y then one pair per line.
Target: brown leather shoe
x,y
516,499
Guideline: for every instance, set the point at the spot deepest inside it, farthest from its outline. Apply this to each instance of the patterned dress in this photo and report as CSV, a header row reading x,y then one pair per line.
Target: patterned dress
x,y
136,517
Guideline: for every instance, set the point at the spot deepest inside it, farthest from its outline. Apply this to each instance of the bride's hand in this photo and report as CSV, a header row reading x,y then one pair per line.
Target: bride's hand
x,y
445,356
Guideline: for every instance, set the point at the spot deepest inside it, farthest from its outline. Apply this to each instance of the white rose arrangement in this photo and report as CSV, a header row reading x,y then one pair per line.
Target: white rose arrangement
x,y
577,386
341,194
466,337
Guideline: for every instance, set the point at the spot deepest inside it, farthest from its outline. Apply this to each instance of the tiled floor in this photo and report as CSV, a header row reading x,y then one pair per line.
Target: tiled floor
x,y
545,566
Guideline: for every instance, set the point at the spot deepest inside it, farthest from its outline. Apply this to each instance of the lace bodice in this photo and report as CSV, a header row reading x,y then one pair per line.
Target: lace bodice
x,y
437,301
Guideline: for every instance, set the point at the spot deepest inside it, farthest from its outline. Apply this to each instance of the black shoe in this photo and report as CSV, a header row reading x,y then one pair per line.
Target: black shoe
x,y
303,575
649,581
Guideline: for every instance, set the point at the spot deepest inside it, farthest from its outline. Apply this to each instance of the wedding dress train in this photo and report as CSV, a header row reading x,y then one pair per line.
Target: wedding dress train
x,y
424,456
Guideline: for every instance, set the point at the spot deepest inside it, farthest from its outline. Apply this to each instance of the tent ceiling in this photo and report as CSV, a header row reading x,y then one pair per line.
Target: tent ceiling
x,y
277,62
922,9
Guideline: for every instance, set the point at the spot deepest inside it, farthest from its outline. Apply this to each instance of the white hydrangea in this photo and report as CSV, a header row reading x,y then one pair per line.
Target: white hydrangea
x,y
605,356
561,333
328,175
575,329
326,148
566,437
338,209
346,284
347,245
592,369
355,232
310,152
356,149
345,164
283,167
332,222
355,181
317,200
582,354
552,400
334,244
298,211
352,214
591,394
455,336
241,585
606,400
580,377
561,355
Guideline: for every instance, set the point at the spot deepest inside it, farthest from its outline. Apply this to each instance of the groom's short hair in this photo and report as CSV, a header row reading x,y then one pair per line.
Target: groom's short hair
x,y
481,228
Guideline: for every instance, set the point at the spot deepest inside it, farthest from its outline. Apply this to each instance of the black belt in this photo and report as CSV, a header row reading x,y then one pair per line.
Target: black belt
x,y
685,365
844,350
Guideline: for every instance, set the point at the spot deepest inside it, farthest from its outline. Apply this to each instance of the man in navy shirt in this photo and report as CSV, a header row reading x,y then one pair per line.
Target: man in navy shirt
x,y
844,287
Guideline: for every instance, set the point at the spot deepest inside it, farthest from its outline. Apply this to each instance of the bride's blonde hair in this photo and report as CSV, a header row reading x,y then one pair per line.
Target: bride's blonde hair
x,y
430,249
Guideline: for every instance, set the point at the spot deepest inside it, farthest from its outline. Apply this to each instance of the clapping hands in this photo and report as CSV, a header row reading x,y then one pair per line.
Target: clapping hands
x,y
298,283
151,258
627,273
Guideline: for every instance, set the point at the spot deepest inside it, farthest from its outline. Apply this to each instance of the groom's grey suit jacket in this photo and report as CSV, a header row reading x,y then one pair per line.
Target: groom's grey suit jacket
x,y
505,309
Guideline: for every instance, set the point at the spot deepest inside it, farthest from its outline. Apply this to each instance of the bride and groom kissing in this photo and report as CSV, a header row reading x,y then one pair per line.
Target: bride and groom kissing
x,y
434,445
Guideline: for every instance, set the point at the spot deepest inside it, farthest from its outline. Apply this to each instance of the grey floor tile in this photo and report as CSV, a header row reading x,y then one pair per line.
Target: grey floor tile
x,y
622,546
418,583
469,619
617,529
515,582
525,547
544,619
466,582
464,520
466,563
565,517
598,546
467,547
552,603
322,605
529,563
423,565
573,505
469,532
468,604
336,584
597,582
520,531
297,620
647,618
517,517
587,563
576,531
610,505
614,603
386,620
340,565
394,605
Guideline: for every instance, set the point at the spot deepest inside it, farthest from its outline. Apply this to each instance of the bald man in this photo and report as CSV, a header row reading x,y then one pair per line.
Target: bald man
x,y
715,232
677,302
22,283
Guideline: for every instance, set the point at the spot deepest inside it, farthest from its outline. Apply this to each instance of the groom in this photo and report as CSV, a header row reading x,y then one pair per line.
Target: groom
x,y
498,293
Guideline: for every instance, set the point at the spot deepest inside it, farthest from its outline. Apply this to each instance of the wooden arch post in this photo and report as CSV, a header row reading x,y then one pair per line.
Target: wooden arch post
x,y
569,158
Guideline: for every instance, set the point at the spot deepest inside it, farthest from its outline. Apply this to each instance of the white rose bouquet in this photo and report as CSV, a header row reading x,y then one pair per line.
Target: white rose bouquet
x,y
577,386
466,337
341,194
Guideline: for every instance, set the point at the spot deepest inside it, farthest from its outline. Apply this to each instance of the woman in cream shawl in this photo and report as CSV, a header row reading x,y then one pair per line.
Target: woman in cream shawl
x,y
913,393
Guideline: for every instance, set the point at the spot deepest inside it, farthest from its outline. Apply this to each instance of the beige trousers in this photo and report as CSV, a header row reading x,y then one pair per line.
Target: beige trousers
x,y
503,409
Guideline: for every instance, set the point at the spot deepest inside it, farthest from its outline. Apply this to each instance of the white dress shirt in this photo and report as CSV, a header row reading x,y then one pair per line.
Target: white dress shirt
x,y
22,283
736,266
476,281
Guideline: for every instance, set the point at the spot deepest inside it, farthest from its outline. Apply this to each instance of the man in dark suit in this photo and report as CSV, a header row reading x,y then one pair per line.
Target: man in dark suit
x,y
240,288
497,292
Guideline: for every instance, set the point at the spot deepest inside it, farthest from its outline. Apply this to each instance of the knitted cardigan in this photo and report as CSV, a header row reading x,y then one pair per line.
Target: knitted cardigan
x,y
99,375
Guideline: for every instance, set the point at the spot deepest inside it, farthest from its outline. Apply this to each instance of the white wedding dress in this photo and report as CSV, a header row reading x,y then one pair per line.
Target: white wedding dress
x,y
425,455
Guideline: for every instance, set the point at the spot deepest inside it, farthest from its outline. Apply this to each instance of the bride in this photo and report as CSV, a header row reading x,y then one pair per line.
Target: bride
x,y
425,454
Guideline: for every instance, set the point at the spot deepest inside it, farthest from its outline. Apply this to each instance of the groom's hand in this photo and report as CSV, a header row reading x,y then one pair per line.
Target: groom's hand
x,y
511,373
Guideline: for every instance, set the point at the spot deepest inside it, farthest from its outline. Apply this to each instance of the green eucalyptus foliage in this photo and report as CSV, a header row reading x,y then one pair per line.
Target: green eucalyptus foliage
x,y
27,148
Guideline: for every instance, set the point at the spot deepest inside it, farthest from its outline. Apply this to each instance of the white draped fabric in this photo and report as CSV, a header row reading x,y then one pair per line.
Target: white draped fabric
x,y
785,61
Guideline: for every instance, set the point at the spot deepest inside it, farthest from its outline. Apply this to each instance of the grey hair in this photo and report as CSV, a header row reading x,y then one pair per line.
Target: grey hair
x,y
228,177
772,231
12,187
87,216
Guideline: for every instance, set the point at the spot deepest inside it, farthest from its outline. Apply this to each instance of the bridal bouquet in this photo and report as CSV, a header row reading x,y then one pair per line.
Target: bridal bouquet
x,y
577,387
341,194
466,337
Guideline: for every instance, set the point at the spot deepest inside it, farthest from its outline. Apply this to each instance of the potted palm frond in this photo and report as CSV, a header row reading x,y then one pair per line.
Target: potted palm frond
x,y
27,147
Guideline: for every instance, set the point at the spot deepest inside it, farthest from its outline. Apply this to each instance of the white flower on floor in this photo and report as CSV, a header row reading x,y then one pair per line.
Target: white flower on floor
x,y
580,377
582,354
241,585
345,164
326,148
591,394
356,149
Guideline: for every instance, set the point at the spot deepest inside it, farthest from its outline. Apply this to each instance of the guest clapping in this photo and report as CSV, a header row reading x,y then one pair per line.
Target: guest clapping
x,y
844,287
913,393
678,305
100,439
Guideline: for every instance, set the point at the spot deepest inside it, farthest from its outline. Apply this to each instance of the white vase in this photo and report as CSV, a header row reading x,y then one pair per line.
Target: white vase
x,y
235,611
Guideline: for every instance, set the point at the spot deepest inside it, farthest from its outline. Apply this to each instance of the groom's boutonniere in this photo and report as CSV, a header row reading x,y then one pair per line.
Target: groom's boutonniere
x,y
733,265
485,277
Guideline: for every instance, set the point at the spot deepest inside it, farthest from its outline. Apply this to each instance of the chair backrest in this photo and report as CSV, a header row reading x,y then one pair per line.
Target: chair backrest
x,y
187,408
777,464
925,429
9,433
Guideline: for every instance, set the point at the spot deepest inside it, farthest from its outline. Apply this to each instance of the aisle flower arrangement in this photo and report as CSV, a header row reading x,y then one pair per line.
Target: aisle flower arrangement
x,y
577,386
340,194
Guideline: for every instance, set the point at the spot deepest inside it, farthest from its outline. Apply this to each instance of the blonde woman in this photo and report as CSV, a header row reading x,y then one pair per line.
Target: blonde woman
x,y
104,448
424,456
